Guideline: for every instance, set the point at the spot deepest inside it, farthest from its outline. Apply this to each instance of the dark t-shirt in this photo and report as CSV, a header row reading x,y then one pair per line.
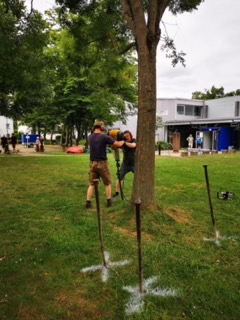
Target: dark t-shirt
x,y
98,143
13,140
129,154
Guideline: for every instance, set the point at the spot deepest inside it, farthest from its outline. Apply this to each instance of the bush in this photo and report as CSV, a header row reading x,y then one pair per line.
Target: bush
x,y
163,145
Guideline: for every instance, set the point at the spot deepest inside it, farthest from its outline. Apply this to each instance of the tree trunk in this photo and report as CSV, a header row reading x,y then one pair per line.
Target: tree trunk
x,y
51,137
146,32
86,136
144,177
78,138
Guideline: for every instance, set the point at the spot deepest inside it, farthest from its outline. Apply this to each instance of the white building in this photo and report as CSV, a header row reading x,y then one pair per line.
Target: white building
x,y
217,121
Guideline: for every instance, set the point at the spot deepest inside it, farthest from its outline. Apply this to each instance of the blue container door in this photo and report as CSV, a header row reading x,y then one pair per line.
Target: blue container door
x,y
223,139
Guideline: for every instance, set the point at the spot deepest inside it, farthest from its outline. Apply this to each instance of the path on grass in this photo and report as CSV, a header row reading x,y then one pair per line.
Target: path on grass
x,y
24,151
50,150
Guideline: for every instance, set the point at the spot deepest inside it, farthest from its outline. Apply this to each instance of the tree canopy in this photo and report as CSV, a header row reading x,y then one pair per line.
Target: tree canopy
x,y
23,36
50,73
90,82
214,93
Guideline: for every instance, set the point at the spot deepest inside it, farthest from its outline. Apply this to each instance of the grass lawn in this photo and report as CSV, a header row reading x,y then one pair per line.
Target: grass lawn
x,y
47,237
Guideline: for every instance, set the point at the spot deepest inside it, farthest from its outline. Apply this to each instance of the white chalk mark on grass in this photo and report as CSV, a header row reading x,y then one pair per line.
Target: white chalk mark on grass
x,y
105,270
218,239
136,300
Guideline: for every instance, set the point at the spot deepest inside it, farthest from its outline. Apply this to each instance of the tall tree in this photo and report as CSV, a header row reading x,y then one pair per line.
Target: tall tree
x,y
23,36
143,18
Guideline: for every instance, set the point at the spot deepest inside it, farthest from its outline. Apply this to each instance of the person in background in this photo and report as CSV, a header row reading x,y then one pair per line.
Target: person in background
x,y
199,141
190,140
13,140
4,143
41,144
98,167
37,144
128,149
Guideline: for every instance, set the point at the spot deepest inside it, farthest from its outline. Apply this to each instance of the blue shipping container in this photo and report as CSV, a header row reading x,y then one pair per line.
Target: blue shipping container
x,y
29,138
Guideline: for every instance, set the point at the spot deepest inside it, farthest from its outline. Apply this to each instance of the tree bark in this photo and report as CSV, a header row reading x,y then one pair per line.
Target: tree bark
x,y
147,36
144,177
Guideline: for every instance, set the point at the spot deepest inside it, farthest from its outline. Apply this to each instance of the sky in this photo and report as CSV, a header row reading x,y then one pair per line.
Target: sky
x,y
210,38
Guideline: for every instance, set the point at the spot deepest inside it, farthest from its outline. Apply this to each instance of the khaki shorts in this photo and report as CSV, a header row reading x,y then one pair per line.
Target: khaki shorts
x,y
99,169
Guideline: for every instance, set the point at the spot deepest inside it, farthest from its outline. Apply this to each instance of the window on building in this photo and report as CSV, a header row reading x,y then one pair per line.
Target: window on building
x,y
188,110
237,111
197,111
180,109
